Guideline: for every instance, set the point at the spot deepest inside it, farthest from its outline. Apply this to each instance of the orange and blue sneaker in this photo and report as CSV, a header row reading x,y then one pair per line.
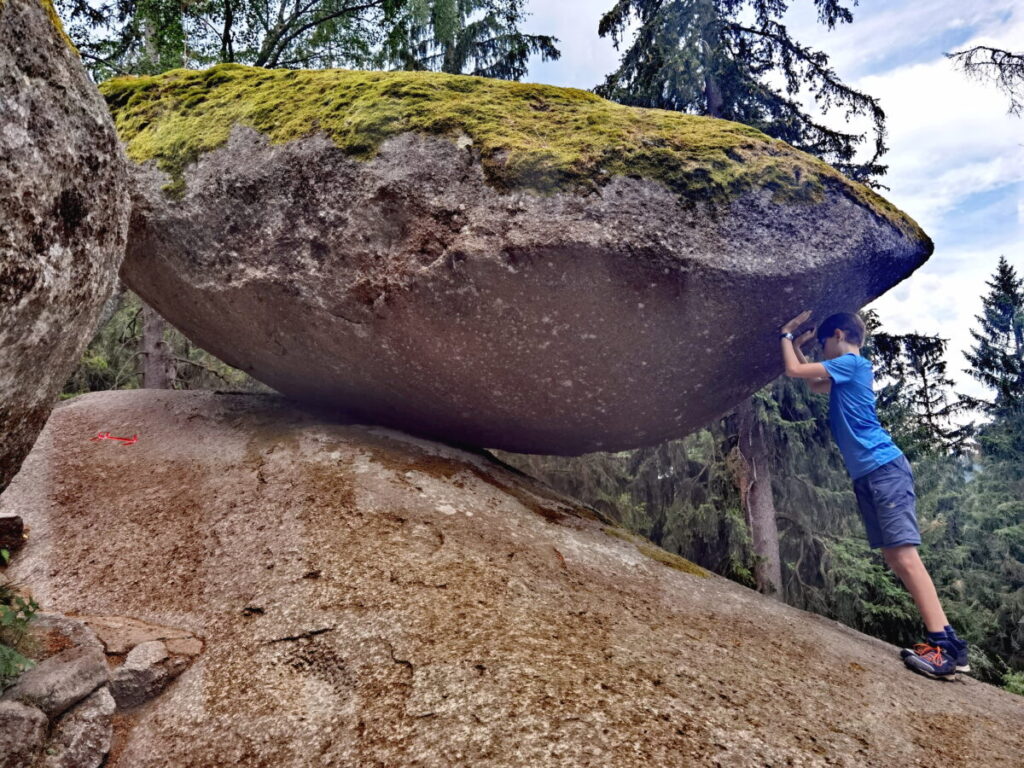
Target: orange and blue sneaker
x,y
952,646
931,660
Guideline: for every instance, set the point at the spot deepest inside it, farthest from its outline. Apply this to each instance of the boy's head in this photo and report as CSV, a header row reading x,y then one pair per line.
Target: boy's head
x,y
838,330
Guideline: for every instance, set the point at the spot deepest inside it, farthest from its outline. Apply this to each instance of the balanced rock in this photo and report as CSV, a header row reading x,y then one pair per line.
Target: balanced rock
x,y
500,264
367,598
64,206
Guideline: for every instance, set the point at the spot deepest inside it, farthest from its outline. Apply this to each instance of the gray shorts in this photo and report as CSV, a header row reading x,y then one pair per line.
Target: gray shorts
x,y
887,503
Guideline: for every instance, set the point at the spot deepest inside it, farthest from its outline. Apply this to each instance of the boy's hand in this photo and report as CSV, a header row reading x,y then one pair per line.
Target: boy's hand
x,y
796,322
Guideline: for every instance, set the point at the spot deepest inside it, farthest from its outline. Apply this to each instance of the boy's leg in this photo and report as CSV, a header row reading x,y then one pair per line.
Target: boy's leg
x,y
906,563
892,509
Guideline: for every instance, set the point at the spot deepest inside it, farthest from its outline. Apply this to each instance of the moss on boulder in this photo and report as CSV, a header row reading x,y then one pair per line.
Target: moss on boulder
x,y
538,137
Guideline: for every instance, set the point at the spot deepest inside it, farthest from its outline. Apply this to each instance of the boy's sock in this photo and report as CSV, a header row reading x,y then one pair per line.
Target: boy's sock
x,y
934,637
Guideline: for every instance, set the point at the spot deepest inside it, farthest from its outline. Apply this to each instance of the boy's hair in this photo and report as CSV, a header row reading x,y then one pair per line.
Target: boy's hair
x,y
845,321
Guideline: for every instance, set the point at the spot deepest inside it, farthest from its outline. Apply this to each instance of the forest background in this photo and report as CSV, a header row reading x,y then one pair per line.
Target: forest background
x,y
760,495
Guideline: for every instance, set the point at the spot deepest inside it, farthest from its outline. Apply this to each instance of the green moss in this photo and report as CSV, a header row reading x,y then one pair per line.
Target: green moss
x,y
530,136
657,553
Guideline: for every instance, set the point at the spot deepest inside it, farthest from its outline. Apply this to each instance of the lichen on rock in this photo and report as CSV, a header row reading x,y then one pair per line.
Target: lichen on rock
x,y
57,24
538,137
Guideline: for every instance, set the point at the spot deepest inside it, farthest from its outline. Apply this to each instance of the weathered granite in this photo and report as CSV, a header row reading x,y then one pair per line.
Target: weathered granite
x,y
64,205
369,598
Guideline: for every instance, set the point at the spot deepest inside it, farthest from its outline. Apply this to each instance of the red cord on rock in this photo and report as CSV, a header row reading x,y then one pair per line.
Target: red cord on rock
x,y
108,436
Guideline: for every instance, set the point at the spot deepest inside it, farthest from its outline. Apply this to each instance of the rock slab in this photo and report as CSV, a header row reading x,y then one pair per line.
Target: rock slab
x,y
369,598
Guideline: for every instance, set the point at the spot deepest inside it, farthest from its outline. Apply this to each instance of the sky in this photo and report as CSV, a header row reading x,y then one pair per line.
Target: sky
x,y
956,157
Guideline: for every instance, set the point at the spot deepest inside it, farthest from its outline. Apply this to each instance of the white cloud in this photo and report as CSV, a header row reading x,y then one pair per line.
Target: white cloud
x,y
586,58
950,137
885,32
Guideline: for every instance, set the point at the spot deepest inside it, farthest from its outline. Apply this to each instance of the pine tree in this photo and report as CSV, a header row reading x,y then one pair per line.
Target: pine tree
x,y
474,37
997,360
734,59
916,400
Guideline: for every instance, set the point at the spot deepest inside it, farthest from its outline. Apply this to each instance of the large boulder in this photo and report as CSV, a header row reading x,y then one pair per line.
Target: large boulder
x,y
370,599
63,218
499,264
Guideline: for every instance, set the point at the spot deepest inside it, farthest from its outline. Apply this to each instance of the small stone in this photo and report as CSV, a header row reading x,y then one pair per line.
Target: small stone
x,y
143,674
57,632
119,634
146,654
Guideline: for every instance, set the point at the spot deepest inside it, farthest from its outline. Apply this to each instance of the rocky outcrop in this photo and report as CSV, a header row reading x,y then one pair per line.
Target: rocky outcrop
x,y
61,680
61,712
369,598
64,210
499,264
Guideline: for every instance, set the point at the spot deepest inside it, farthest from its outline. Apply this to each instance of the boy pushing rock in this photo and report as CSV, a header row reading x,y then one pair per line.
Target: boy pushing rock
x,y
882,478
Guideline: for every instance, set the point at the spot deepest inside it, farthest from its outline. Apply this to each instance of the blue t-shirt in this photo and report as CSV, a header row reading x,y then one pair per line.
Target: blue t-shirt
x,y
865,445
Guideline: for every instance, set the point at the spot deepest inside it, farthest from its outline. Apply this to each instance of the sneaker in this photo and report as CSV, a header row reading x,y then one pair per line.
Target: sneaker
x,y
931,660
953,646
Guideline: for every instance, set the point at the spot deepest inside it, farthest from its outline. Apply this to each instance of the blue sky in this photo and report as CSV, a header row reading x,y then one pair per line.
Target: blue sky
x,y
956,158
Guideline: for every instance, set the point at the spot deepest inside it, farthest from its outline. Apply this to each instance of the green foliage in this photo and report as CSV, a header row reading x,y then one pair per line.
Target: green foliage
x,y
916,394
735,59
15,614
472,37
862,592
119,37
1014,682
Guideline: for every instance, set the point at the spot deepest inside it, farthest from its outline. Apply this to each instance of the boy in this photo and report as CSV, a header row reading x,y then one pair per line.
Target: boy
x,y
882,479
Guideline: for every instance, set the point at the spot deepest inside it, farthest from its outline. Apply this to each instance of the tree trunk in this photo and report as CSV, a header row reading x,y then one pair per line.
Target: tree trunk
x,y
756,497
713,97
158,370
714,102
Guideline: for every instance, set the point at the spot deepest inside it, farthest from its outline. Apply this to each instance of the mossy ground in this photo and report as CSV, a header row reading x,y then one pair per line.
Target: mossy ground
x,y
657,553
538,137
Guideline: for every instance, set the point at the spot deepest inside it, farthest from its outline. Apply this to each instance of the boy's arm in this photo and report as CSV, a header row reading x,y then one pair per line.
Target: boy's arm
x,y
817,386
797,370
796,366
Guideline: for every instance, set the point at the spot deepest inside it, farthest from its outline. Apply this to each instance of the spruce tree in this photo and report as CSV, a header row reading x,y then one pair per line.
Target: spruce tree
x,y
916,399
473,37
997,359
735,59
